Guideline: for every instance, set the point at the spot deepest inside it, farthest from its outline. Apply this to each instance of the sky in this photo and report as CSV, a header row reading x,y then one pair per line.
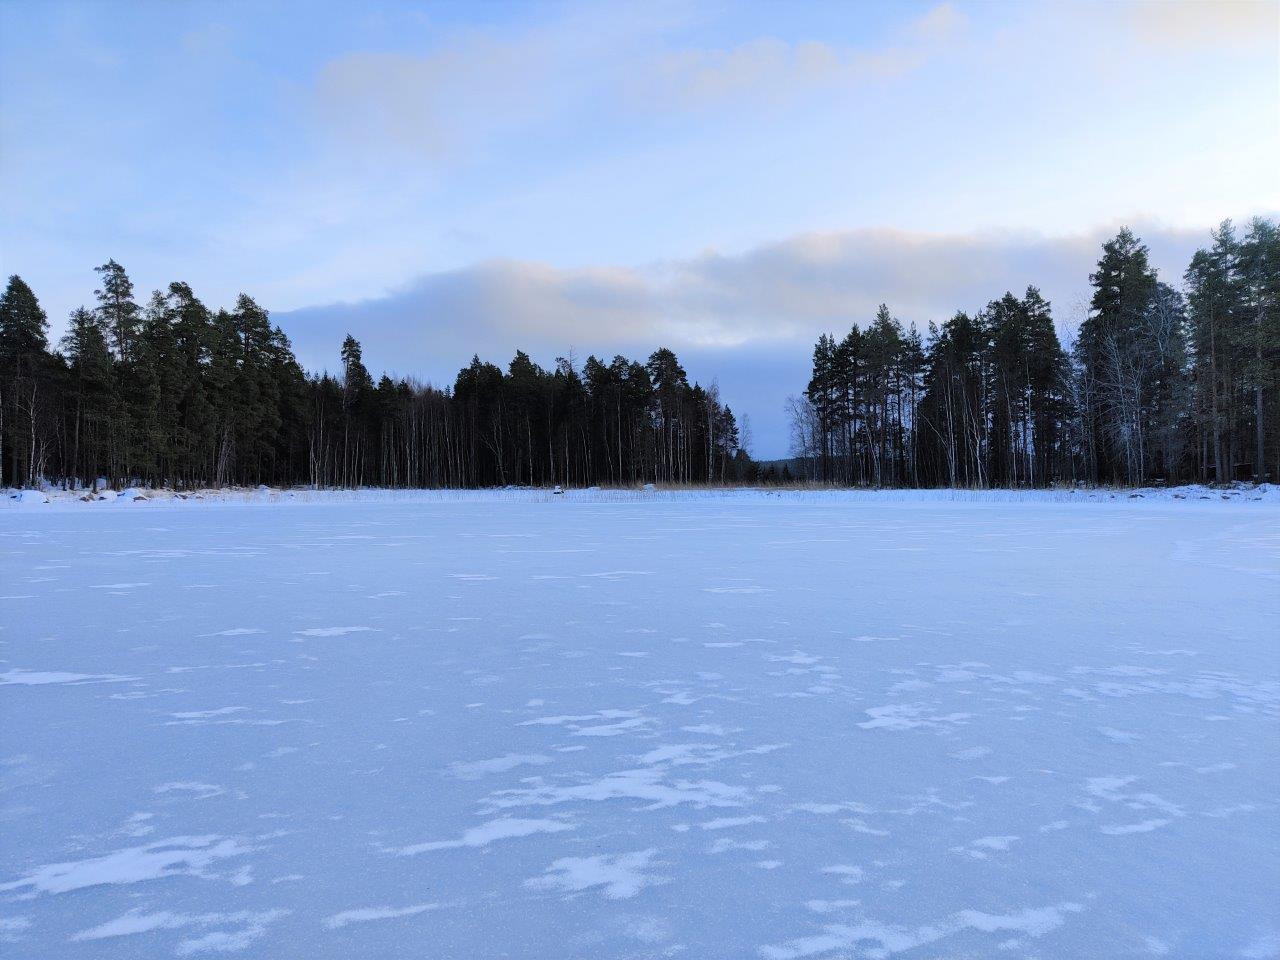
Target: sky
x,y
725,179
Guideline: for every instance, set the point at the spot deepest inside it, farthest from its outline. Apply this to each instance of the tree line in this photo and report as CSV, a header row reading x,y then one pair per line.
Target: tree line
x,y
1160,383
173,393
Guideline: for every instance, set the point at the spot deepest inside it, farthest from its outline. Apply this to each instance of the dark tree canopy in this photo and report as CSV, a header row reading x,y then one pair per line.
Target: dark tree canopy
x,y
1160,384
174,393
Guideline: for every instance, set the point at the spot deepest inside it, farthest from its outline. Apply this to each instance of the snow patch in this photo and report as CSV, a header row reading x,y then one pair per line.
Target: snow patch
x,y
487,833
620,877
366,914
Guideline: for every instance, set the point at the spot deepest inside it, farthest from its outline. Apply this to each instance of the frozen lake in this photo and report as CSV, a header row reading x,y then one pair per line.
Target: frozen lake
x,y
472,727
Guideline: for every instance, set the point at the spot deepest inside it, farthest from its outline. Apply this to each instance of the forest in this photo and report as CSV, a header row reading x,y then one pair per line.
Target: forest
x,y
171,393
1161,384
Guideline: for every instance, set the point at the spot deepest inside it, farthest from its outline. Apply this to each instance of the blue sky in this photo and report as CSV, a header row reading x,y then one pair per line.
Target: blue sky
x,y
725,179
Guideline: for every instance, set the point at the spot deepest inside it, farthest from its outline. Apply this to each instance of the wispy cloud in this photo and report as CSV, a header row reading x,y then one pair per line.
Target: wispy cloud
x,y
471,86
437,103
768,69
462,87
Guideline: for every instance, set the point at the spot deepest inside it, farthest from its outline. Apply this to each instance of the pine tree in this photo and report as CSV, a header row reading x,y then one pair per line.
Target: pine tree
x,y
117,310
1213,295
846,372
94,408
24,379
188,388
824,394
225,358
1046,372
257,403
357,387
1259,253
670,386
1112,351
882,346
914,367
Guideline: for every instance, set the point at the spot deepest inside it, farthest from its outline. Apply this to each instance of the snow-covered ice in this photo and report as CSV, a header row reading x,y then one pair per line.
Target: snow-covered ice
x,y
643,725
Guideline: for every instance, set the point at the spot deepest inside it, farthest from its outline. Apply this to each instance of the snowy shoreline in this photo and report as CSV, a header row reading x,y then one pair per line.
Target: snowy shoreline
x,y
134,498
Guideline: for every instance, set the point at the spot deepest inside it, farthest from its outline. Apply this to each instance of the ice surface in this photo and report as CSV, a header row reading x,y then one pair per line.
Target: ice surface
x,y
640,725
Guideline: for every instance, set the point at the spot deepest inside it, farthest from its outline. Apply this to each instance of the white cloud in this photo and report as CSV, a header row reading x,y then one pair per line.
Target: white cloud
x,y
767,69
1187,25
